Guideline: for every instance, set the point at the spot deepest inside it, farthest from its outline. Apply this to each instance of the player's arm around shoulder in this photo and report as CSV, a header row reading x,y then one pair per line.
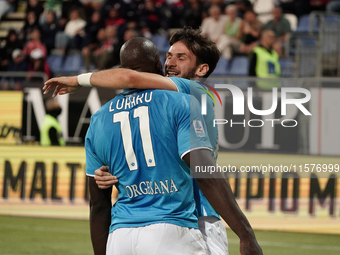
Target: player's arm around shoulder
x,y
118,78
125,78
100,216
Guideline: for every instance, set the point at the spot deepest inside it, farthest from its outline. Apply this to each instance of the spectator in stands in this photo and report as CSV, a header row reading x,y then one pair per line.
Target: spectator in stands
x,y
92,28
91,6
35,43
230,41
49,30
132,11
333,6
51,130
175,19
233,23
129,34
133,25
193,14
249,32
12,42
114,19
31,22
89,50
242,7
264,61
38,63
220,3
151,17
51,6
35,6
106,54
214,25
73,33
67,7
18,64
281,28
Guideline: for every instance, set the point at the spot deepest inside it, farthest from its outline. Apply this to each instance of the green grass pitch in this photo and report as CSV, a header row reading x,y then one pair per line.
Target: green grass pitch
x,y
43,236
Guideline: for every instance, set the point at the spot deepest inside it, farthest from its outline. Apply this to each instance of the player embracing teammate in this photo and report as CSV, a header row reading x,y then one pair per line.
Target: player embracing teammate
x,y
190,56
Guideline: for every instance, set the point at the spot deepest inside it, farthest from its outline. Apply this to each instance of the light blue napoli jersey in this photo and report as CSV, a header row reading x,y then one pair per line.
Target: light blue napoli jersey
x,y
195,88
141,136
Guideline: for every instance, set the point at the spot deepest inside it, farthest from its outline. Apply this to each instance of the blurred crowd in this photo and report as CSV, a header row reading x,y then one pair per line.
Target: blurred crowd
x,y
97,29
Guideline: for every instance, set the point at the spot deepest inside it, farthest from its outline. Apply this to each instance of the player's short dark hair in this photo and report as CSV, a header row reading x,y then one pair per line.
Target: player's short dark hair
x,y
203,48
140,54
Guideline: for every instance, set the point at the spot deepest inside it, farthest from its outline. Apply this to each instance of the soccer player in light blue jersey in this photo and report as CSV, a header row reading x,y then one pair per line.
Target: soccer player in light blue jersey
x,y
142,135
189,59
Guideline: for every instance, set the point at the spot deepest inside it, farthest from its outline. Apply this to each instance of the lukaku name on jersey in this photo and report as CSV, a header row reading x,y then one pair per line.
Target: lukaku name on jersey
x,y
131,101
151,188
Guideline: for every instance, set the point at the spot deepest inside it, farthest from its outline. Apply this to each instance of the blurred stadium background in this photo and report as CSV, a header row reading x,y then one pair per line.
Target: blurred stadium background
x,y
44,196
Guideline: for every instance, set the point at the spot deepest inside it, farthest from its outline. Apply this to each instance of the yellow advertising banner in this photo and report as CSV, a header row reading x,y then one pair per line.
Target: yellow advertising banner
x,y
10,116
51,182
43,181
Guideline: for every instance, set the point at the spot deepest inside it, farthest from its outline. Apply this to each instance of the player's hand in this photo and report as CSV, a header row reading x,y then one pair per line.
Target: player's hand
x,y
250,247
104,178
61,85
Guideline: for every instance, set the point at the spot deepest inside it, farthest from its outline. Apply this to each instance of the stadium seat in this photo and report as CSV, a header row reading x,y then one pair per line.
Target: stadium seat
x,y
55,63
307,51
331,31
264,17
73,64
304,25
287,67
292,20
307,67
331,19
161,42
306,44
221,67
263,6
239,66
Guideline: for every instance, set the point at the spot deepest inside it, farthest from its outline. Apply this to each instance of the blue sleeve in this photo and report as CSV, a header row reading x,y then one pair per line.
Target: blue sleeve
x,y
191,87
93,162
183,85
191,126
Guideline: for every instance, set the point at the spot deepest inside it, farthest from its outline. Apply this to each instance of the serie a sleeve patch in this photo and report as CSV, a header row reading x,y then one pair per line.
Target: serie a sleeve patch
x,y
199,129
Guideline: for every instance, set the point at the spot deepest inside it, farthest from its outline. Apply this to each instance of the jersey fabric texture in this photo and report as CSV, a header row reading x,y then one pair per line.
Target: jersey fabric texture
x,y
195,88
141,136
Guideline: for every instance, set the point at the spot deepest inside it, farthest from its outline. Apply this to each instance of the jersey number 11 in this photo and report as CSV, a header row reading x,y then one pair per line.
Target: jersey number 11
x,y
142,113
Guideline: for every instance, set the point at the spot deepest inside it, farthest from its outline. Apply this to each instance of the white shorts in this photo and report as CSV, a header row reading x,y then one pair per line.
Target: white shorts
x,y
156,239
214,234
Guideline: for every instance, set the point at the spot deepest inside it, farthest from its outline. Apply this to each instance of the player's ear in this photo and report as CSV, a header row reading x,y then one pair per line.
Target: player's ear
x,y
202,70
